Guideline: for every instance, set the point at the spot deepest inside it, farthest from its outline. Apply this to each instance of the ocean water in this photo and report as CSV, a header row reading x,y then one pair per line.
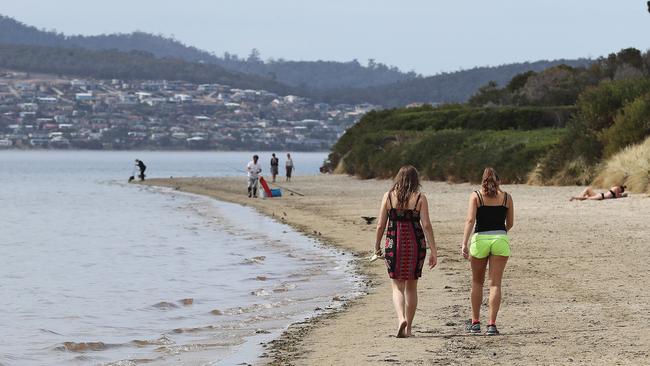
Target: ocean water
x,y
96,271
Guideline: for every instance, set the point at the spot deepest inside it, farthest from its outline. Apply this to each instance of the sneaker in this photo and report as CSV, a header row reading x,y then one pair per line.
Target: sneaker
x,y
492,330
473,328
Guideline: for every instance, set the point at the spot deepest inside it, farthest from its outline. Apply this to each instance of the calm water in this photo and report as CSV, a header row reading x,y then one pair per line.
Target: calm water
x,y
96,271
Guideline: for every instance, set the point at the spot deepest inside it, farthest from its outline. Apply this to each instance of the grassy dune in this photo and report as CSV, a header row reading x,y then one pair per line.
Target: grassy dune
x,y
630,166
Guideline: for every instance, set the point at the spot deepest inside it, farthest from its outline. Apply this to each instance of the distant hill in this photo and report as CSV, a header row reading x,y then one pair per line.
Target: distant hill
x,y
454,87
307,74
134,65
333,82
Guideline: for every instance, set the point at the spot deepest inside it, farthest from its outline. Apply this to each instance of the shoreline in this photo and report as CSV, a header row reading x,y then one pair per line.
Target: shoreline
x,y
276,344
283,349
568,293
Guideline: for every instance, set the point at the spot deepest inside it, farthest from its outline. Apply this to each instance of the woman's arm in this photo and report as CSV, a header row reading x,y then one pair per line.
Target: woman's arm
x,y
469,224
425,221
510,217
382,218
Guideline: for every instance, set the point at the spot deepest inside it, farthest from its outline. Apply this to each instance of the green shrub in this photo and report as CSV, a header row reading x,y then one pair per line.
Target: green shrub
x,y
631,126
446,117
457,155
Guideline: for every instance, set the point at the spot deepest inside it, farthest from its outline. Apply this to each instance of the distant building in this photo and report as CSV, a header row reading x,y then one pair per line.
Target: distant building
x,y
182,98
47,100
84,97
28,107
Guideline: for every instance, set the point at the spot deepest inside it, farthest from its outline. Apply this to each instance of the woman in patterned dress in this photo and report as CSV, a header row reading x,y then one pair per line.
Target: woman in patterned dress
x,y
405,211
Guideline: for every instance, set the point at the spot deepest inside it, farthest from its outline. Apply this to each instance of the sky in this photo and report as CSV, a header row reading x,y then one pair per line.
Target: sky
x,y
426,36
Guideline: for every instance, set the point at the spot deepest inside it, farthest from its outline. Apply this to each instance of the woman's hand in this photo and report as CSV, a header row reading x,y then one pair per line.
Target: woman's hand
x,y
378,250
464,251
433,259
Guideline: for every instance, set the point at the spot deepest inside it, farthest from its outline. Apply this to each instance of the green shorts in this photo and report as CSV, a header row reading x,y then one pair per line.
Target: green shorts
x,y
484,245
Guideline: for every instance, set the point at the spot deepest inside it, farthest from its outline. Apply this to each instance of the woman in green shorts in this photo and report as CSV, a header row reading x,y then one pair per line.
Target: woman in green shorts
x,y
490,216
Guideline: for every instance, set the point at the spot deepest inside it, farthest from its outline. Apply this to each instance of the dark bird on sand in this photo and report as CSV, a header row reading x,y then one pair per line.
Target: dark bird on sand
x,y
369,219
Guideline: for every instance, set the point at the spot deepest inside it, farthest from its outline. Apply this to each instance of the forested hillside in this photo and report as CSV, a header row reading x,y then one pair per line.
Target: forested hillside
x,y
134,65
307,74
550,127
333,82
452,87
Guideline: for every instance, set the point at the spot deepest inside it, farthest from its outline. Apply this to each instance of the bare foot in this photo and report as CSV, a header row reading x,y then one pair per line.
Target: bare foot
x,y
401,332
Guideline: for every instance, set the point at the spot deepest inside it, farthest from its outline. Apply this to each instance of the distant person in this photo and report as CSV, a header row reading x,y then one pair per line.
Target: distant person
x,y
289,167
406,211
142,167
589,194
253,168
275,162
490,216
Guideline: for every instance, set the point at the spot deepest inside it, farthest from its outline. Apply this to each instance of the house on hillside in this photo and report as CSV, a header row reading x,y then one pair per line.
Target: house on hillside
x,y
84,97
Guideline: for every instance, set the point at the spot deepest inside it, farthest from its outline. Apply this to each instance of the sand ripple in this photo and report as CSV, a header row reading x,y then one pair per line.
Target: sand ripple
x,y
164,305
81,346
255,260
162,341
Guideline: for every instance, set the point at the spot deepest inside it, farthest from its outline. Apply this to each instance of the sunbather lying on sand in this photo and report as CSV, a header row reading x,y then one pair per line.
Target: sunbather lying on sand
x,y
590,194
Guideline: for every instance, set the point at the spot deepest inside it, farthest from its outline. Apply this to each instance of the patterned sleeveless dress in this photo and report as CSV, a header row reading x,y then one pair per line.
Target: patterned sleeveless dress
x,y
406,246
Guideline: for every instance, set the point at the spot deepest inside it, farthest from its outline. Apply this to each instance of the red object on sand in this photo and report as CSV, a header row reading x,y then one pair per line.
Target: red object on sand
x,y
265,186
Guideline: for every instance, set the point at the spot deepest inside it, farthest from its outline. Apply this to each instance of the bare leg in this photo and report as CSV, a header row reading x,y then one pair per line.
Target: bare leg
x,y
478,278
586,193
497,266
399,303
411,297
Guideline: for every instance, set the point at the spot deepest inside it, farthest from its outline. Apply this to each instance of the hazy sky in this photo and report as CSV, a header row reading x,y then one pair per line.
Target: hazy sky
x,y
427,36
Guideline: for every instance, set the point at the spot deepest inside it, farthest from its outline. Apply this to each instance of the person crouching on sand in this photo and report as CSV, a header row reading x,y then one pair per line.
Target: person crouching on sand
x,y
490,215
589,194
406,211
141,167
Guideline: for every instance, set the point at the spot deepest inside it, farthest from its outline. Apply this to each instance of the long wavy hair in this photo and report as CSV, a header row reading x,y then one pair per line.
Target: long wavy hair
x,y
406,182
490,182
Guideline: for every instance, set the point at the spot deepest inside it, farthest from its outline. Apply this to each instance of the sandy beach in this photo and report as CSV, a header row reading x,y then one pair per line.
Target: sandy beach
x,y
574,290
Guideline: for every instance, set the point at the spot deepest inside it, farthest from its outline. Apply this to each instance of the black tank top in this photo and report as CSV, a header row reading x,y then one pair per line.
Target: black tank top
x,y
491,218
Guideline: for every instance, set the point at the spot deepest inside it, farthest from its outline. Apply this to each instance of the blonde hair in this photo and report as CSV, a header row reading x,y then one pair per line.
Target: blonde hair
x,y
406,182
490,183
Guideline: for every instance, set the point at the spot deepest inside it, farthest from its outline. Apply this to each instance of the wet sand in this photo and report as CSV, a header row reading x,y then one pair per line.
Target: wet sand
x,y
574,290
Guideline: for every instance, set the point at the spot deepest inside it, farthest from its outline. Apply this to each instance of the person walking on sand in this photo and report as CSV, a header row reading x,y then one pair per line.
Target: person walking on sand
x,y
289,167
253,169
405,210
490,216
275,162
142,168
589,194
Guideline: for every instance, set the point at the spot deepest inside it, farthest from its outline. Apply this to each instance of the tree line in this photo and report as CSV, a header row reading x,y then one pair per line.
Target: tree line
x,y
555,126
333,82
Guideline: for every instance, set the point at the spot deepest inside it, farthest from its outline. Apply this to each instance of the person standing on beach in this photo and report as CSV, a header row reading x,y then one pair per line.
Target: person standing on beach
x,y
405,211
490,215
253,169
289,167
142,168
275,162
